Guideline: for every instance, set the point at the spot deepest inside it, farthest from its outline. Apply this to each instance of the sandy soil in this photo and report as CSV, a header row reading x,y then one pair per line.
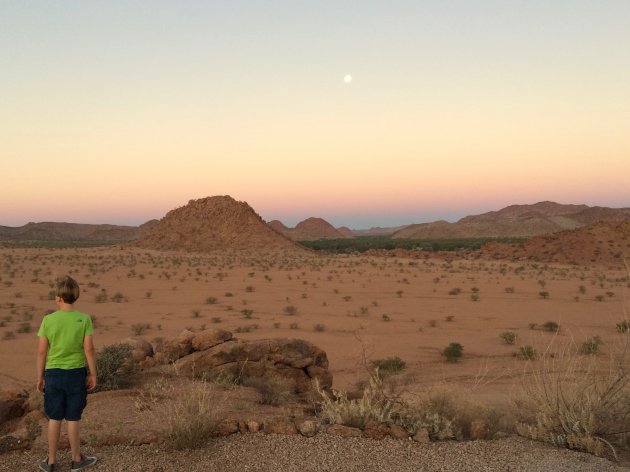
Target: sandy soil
x,y
357,309
378,306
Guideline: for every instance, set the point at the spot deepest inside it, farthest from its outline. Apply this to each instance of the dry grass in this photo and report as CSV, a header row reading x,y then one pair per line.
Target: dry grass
x,y
571,402
191,419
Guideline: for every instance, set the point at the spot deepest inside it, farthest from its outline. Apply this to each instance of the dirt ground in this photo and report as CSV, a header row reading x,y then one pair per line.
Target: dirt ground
x,y
358,309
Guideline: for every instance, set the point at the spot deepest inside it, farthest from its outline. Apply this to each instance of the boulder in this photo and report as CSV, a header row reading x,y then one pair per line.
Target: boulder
x,y
210,338
296,360
140,348
12,405
322,375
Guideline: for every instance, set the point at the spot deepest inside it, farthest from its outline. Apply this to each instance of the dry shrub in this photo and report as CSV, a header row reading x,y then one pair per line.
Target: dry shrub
x,y
573,401
273,390
191,419
114,367
374,405
444,413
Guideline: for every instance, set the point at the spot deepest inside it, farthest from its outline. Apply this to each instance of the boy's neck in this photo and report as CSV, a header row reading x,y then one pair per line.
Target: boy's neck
x,y
63,306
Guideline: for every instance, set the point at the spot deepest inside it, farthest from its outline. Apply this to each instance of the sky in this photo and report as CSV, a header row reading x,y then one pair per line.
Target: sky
x,y
117,112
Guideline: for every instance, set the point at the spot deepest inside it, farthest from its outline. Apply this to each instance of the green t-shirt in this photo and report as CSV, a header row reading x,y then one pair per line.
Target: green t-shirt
x,y
65,331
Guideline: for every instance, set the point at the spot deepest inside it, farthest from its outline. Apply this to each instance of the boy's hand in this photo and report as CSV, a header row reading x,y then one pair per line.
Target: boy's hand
x,y
90,382
40,385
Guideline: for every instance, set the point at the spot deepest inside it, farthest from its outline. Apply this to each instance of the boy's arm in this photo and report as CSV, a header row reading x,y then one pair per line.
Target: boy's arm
x,y
42,351
88,348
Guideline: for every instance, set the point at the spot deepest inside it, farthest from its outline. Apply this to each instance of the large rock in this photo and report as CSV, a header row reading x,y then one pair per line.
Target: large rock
x,y
12,405
223,357
140,348
173,349
210,338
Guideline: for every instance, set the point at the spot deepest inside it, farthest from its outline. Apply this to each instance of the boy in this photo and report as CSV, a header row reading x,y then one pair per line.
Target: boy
x,y
65,344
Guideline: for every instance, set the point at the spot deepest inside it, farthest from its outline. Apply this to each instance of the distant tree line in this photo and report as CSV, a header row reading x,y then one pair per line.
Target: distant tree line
x,y
365,243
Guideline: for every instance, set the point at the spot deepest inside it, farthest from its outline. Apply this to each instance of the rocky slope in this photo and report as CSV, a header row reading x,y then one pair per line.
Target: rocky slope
x,y
516,220
604,242
49,231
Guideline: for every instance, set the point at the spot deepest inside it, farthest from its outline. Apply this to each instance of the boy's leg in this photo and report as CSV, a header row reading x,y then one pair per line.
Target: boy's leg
x,y
73,437
54,428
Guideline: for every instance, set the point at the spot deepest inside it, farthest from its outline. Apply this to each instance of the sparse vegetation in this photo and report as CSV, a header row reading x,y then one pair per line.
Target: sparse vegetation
x,y
591,345
191,420
114,367
508,337
527,352
389,366
290,310
551,326
571,402
453,352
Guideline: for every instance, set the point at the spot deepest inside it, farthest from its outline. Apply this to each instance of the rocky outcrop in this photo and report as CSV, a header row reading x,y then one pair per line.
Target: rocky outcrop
x,y
215,224
214,353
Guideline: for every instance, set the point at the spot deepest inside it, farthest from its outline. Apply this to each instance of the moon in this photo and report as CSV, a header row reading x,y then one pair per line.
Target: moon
x,y
347,78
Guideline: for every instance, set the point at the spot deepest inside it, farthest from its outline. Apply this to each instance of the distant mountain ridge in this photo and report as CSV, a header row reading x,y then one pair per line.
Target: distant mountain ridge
x,y
311,229
49,231
541,218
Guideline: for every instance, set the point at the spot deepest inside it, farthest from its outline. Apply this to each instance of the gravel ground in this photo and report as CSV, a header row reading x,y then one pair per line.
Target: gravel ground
x,y
260,452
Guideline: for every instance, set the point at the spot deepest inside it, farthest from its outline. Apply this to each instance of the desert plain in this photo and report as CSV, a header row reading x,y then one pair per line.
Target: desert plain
x,y
357,308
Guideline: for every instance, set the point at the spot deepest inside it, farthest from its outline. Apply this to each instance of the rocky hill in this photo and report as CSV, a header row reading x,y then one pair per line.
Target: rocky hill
x,y
71,232
604,242
516,220
215,224
311,229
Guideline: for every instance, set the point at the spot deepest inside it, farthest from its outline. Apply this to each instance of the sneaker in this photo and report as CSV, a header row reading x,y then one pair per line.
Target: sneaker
x,y
86,461
44,465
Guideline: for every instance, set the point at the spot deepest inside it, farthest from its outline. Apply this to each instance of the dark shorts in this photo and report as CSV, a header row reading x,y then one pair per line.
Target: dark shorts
x,y
65,393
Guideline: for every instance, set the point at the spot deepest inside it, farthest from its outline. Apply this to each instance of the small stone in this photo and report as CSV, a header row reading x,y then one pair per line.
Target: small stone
x,y
227,428
242,427
307,427
398,432
479,429
253,426
343,431
375,430
422,436
280,426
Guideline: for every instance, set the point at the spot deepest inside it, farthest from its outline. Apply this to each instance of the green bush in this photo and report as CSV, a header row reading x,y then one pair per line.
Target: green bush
x,y
551,326
623,326
591,345
389,366
453,352
290,310
509,337
114,367
527,352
